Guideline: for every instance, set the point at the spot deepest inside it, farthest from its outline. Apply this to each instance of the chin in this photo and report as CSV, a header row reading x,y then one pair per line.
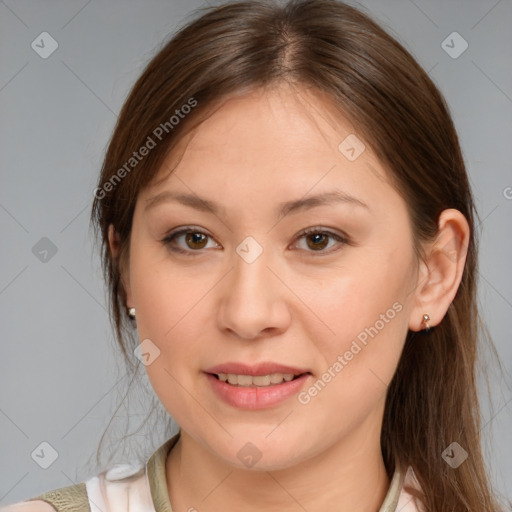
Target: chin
x,y
256,450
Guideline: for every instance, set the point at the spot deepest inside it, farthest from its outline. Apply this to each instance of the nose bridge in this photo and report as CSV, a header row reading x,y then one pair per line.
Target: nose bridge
x,y
251,300
251,274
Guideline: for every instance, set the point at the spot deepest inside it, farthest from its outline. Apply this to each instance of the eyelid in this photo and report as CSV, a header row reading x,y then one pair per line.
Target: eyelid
x,y
172,235
341,238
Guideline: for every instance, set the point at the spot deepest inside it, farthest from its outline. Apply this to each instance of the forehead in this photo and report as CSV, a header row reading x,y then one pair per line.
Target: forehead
x,y
267,121
280,141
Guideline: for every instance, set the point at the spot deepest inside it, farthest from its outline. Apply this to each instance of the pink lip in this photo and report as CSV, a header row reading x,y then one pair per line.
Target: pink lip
x,y
264,368
253,397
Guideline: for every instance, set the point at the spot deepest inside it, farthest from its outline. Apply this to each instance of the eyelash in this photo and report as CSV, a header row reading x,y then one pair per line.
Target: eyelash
x,y
169,239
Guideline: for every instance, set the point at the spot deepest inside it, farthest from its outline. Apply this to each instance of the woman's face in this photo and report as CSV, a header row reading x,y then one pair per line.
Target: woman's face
x,y
246,287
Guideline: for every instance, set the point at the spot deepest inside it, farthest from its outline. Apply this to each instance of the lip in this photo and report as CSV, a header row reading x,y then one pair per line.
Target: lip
x,y
253,397
263,368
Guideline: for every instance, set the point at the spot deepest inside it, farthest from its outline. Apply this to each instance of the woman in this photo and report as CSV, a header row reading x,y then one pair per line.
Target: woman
x,y
288,233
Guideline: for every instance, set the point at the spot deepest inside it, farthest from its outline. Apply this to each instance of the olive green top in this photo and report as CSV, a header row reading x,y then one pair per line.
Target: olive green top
x,y
74,498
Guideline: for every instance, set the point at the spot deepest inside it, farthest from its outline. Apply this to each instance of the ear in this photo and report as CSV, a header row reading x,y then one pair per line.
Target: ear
x,y
114,244
440,275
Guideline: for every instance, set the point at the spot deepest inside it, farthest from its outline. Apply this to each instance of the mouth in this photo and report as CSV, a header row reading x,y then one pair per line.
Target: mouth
x,y
257,387
253,386
257,381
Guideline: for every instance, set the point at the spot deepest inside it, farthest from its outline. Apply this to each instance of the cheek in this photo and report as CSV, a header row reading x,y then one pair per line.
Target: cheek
x,y
167,309
358,361
172,310
165,295
364,310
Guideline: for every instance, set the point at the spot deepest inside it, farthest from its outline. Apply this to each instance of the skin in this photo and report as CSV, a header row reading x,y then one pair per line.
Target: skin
x,y
294,304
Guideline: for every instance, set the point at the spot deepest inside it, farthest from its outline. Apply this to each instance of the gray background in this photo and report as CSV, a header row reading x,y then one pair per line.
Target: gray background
x,y
60,378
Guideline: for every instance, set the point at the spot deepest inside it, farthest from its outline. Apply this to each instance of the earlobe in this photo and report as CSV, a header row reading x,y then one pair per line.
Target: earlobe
x,y
441,273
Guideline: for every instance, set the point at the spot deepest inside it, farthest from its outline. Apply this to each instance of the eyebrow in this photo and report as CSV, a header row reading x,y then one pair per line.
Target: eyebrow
x,y
285,208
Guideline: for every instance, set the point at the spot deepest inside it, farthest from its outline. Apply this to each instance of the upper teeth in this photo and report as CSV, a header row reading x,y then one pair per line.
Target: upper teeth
x,y
256,380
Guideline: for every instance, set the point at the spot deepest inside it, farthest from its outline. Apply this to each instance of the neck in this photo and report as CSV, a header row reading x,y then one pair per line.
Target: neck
x,y
349,476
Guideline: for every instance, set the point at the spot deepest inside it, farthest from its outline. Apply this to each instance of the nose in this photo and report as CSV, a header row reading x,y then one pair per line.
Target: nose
x,y
253,299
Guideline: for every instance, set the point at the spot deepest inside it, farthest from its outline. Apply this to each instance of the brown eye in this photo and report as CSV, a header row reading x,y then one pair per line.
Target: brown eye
x,y
194,241
317,240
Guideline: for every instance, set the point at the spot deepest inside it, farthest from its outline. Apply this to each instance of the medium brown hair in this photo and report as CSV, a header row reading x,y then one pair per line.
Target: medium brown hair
x,y
399,113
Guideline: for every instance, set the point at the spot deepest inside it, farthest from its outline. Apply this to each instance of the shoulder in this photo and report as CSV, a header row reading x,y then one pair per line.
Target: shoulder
x,y
108,490
28,506
121,487
73,497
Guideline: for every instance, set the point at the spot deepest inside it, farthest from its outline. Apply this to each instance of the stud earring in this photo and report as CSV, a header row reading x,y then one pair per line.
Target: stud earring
x,y
426,318
131,313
